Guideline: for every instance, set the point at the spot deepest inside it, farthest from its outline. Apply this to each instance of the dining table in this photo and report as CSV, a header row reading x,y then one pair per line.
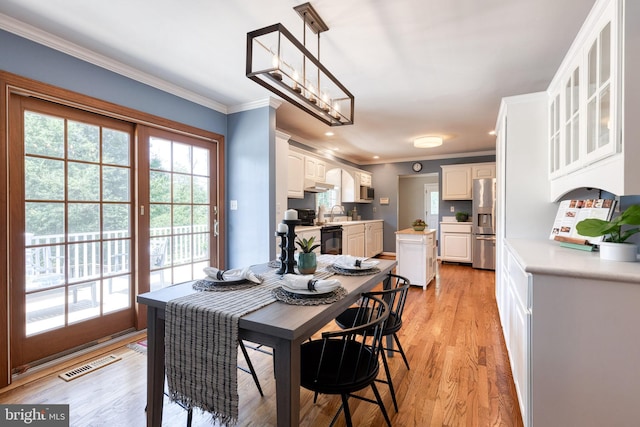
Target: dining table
x,y
281,326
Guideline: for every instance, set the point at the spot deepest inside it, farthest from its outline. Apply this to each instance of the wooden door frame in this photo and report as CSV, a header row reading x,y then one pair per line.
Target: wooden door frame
x,y
12,83
144,133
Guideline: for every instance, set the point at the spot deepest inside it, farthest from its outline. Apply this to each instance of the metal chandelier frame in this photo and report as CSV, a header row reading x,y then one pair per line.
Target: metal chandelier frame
x,y
275,59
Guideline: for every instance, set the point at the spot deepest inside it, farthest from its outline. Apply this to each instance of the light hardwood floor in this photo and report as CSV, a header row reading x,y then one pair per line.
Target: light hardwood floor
x,y
460,374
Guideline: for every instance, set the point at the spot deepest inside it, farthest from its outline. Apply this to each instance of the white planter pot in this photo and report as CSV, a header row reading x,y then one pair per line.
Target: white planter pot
x,y
627,252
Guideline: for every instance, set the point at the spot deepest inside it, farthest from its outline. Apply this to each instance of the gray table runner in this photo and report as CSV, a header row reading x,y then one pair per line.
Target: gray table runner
x,y
201,343
201,346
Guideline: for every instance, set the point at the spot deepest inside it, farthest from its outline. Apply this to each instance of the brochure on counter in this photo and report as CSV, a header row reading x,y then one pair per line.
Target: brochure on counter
x,y
571,212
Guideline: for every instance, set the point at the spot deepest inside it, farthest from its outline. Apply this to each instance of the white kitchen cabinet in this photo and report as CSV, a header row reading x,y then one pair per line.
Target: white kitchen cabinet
x,y
361,179
515,315
365,179
353,240
315,170
483,170
594,104
352,179
567,317
457,180
416,256
295,181
373,235
455,238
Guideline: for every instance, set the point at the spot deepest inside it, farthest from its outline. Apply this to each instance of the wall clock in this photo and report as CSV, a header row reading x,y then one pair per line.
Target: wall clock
x,y
417,167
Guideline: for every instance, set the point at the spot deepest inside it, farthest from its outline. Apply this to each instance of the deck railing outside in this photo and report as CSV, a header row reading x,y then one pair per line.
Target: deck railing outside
x,y
45,255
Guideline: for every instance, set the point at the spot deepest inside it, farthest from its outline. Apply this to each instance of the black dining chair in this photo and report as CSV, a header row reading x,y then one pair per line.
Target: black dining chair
x,y
395,295
346,361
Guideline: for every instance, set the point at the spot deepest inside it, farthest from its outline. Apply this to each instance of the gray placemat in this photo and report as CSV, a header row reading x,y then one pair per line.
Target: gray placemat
x,y
345,272
297,299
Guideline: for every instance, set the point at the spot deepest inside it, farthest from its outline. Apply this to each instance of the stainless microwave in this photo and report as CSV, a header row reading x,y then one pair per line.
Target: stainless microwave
x,y
366,193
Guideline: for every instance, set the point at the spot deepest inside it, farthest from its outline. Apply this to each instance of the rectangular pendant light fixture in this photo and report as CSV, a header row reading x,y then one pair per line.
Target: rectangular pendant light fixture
x,y
277,61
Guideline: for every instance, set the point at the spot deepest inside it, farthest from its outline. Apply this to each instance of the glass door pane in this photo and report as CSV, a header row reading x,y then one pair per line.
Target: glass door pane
x,y
77,220
179,211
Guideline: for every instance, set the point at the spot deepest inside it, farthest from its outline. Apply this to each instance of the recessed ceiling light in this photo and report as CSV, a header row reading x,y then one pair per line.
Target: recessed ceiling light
x,y
427,142
376,157
329,133
492,132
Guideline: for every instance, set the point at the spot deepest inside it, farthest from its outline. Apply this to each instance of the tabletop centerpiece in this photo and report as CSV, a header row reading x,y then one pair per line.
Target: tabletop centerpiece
x,y
307,261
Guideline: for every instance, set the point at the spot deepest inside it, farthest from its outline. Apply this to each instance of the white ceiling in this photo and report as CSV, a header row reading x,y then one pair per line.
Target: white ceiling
x,y
416,67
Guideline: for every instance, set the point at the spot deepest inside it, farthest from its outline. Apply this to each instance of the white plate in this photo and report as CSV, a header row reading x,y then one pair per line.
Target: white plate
x,y
308,292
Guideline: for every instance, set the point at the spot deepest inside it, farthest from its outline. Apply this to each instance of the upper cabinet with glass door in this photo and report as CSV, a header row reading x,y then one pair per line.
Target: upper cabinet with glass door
x,y
588,99
600,141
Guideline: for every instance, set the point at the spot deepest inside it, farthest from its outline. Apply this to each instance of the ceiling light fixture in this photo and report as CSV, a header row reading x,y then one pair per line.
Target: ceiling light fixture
x,y
277,61
427,142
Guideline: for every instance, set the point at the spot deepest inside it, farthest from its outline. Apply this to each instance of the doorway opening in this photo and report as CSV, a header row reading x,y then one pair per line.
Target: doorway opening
x,y
419,197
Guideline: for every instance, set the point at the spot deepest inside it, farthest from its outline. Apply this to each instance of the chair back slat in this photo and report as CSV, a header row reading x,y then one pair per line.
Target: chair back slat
x,y
358,348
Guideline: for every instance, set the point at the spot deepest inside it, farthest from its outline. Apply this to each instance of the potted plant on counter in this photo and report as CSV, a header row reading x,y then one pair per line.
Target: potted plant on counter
x,y
462,216
614,246
307,262
418,225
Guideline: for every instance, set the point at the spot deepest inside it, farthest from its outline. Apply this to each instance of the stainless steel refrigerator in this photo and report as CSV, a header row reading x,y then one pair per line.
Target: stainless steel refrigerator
x,y
484,223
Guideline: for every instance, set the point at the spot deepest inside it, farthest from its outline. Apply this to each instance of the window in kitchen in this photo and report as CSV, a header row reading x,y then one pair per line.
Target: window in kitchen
x,y
333,197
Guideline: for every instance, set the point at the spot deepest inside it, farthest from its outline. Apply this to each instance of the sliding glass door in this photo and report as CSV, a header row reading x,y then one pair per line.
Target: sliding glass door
x,y
71,234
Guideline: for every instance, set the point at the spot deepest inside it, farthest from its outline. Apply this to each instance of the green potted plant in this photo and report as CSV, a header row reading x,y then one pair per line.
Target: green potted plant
x,y
614,245
419,225
307,262
462,216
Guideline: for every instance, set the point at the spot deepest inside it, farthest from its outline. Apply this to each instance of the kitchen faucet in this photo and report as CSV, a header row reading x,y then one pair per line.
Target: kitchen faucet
x,y
331,211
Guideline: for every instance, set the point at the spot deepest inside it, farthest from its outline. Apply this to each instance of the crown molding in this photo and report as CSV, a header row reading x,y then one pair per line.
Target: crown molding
x,y
39,36
433,157
267,102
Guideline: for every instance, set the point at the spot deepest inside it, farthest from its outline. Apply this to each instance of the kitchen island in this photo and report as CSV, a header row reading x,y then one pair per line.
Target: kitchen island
x,y
570,323
416,255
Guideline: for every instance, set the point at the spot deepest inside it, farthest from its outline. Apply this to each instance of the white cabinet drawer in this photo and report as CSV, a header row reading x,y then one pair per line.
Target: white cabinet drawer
x,y
455,227
519,280
353,229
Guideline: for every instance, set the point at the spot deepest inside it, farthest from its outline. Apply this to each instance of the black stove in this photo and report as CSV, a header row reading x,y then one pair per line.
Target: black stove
x,y
331,239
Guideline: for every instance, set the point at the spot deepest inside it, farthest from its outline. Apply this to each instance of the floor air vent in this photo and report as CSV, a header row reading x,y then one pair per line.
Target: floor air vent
x,y
89,367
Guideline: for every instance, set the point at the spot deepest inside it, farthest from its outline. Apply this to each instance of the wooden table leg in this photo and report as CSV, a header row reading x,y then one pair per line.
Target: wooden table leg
x,y
155,367
287,372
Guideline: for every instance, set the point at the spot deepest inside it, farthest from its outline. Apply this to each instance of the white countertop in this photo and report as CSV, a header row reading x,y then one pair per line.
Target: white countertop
x,y
548,257
414,232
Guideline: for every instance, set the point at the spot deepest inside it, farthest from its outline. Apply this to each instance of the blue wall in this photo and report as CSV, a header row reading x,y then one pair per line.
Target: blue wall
x,y
385,182
28,59
249,142
249,145
251,182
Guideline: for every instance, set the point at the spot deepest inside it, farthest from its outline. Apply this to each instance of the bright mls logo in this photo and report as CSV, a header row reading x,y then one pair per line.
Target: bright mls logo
x,y
34,415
